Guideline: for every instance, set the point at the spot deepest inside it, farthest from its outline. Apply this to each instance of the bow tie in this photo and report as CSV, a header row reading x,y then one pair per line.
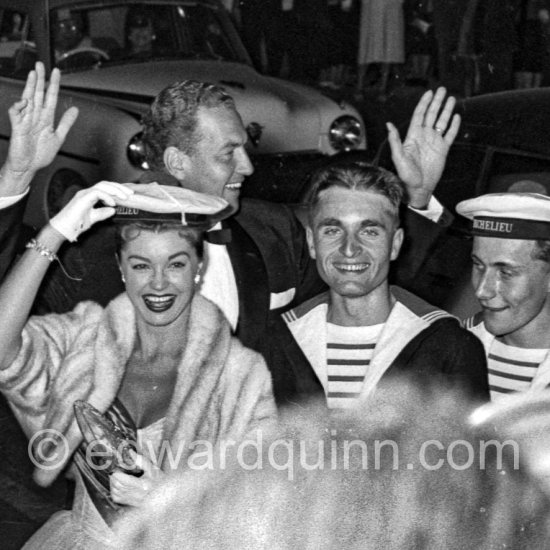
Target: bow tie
x,y
218,236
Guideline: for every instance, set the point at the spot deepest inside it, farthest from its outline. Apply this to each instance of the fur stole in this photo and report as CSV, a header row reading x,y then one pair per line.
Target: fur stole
x,y
223,390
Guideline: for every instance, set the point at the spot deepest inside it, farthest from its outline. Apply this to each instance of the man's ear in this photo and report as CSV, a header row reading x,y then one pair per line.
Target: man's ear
x,y
176,162
310,243
397,242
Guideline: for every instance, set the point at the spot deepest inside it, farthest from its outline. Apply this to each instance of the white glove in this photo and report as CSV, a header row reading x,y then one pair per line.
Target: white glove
x,y
79,214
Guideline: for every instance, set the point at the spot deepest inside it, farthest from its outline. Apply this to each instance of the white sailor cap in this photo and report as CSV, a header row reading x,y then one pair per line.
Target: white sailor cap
x,y
508,215
154,202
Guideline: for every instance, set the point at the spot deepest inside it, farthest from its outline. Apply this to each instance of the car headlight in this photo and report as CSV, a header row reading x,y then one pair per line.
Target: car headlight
x,y
345,133
136,152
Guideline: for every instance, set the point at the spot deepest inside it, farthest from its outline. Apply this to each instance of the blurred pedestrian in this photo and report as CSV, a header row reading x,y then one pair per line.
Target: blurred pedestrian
x,y
280,32
381,40
533,28
340,45
448,17
139,33
258,21
312,26
420,45
12,26
497,42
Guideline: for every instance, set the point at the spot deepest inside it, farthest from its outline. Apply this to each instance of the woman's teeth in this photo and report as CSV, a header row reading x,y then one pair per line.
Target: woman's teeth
x,y
158,303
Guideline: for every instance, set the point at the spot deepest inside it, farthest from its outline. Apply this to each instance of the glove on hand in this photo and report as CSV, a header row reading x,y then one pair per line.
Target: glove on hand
x,y
79,214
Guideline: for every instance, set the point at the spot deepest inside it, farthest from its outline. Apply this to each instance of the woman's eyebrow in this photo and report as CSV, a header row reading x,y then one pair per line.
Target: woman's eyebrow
x,y
171,257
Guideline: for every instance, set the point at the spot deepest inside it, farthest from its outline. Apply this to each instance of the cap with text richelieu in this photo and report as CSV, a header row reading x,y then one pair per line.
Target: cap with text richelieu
x,y
508,215
158,203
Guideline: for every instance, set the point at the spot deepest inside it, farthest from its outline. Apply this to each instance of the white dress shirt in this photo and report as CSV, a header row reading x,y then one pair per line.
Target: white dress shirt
x,y
218,281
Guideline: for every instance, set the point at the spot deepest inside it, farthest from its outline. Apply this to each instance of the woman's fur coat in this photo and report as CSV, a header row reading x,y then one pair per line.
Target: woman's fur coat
x,y
223,390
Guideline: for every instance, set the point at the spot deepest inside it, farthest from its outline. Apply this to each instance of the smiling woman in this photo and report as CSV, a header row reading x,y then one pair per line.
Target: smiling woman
x,y
160,265
159,362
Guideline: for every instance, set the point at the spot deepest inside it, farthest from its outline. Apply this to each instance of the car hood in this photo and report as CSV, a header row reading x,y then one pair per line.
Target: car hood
x,y
279,107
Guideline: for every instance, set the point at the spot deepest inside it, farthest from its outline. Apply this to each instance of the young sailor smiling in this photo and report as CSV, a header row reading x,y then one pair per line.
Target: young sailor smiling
x,y
362,330
511,279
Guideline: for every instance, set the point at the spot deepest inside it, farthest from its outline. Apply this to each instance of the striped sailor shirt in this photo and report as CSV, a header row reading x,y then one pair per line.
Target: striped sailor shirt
x,y
511,369
349,352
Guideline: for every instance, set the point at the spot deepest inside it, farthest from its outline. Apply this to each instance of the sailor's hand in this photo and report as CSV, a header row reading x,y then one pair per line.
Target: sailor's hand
x,y
420,159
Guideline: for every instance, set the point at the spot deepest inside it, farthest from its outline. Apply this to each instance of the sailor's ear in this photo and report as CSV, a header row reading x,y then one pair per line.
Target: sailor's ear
x,y
310,242
397,243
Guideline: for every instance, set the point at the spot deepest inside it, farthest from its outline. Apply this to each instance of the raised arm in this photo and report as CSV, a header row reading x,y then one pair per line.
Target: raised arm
x,y
34,139
33,145
420,159
19,289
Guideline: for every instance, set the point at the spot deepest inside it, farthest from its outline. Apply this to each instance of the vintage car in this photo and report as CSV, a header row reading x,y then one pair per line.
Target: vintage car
x,y
116,55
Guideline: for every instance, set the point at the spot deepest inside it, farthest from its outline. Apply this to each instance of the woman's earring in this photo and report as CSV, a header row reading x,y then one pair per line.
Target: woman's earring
x,y
197,278
123,277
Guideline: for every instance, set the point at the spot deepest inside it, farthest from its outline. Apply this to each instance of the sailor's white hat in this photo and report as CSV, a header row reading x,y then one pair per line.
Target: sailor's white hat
x,y
154,202
508,215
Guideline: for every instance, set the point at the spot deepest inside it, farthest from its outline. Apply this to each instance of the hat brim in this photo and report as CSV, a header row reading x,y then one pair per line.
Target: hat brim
x,y
524,216
159,203
198,221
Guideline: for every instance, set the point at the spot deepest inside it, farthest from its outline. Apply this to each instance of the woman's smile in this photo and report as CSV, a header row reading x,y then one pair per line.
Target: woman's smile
x,y
158,303
159,269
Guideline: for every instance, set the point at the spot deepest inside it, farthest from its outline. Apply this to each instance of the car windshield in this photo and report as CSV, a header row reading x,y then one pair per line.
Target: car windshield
x,y
99,35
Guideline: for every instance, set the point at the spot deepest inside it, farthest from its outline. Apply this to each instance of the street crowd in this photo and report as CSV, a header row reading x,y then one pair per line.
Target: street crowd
x,y
468,46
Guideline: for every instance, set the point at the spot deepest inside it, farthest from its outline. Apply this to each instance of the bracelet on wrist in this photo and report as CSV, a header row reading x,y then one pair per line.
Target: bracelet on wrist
x,y
42,250
33,244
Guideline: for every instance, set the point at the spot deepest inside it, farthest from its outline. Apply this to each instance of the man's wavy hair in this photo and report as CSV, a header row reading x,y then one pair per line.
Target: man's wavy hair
x,y
172,118
357,176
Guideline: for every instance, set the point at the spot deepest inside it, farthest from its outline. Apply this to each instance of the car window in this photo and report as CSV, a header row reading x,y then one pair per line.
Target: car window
x,y
12,24
514,171
99,35
17,47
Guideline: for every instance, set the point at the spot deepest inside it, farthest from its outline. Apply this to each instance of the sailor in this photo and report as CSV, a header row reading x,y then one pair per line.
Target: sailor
x,y
511,279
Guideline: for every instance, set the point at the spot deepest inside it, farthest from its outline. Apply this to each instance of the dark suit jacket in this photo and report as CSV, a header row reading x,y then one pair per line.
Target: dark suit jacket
x,y
268,252
10,228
